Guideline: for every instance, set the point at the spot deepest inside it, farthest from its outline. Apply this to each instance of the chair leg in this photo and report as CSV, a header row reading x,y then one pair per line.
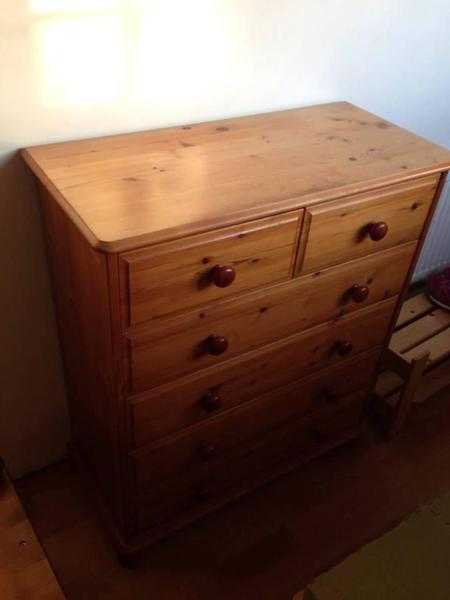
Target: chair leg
x,y
418,366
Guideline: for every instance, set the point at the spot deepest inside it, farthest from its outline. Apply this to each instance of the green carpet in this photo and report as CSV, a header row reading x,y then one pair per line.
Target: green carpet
x,y
412,562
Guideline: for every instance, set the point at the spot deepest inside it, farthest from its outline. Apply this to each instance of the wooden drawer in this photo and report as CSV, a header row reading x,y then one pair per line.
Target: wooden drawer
x,y
283,447
177,406
178,275
179,346
221,437
346,229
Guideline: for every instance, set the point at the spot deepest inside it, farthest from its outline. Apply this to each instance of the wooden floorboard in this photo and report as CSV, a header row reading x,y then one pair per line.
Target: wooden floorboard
x,y
24,570
268,545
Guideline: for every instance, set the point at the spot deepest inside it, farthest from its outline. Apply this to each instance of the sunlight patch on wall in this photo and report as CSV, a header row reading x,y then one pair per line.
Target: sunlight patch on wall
x,y
183,48
92,53
58,7
80,60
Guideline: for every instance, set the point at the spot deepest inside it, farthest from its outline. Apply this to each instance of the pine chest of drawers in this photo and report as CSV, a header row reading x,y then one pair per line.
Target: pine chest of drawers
x,y
223,293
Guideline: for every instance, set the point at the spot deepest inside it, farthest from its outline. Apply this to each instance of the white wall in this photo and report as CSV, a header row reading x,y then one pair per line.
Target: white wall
x,y
76,68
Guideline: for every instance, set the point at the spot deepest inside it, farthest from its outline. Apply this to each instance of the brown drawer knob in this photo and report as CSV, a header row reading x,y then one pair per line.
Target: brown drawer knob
x,y
344,348
207,451
216,344
359,293
377,231
211,402
222,276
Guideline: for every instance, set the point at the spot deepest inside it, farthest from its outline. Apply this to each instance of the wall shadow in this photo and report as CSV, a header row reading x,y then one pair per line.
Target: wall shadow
x,y
34,425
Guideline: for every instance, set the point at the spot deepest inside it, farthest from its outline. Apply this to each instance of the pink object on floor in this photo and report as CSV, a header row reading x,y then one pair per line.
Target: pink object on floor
x,y
439,288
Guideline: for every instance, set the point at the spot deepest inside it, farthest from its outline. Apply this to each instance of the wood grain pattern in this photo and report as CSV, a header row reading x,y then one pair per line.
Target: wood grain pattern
x,y
302,352
265,534
130,190
136,225
179,408
177,276
417,355
337,230
291,443
178,405
292,358
437,348
82,285
25,573
176,346
420,331
413,308
401,411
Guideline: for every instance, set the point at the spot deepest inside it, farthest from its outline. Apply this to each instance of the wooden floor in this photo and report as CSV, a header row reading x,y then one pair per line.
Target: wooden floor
x,y
267,546
24,571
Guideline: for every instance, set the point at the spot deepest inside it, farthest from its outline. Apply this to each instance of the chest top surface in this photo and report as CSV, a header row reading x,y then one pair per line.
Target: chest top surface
x,y
125,191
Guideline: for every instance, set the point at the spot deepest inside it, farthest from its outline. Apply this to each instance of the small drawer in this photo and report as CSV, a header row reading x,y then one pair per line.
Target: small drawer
x,y
179,275
217,439
283,447
180,405
207,337
347,229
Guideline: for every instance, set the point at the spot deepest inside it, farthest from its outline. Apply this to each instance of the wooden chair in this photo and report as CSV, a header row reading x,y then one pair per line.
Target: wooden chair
x,y
416,363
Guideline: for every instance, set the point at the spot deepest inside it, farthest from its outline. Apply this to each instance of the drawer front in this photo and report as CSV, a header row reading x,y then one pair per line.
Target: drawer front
x,y
221,437
179,275
346,229
272,454
178,406
181,345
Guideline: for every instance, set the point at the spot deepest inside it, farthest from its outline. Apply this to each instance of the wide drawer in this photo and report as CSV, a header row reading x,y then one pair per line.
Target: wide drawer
x,y
183,404
181,345
221,437
193,271
346,229
181,499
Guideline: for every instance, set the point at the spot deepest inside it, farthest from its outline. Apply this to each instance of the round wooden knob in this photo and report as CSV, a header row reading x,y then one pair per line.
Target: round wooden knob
x,y
216,344
377,231
359,293
222,276
344,348
207,451
211,402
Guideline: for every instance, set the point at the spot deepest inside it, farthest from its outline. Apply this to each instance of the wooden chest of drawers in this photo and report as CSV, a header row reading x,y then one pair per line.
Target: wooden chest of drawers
x,y
223,292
